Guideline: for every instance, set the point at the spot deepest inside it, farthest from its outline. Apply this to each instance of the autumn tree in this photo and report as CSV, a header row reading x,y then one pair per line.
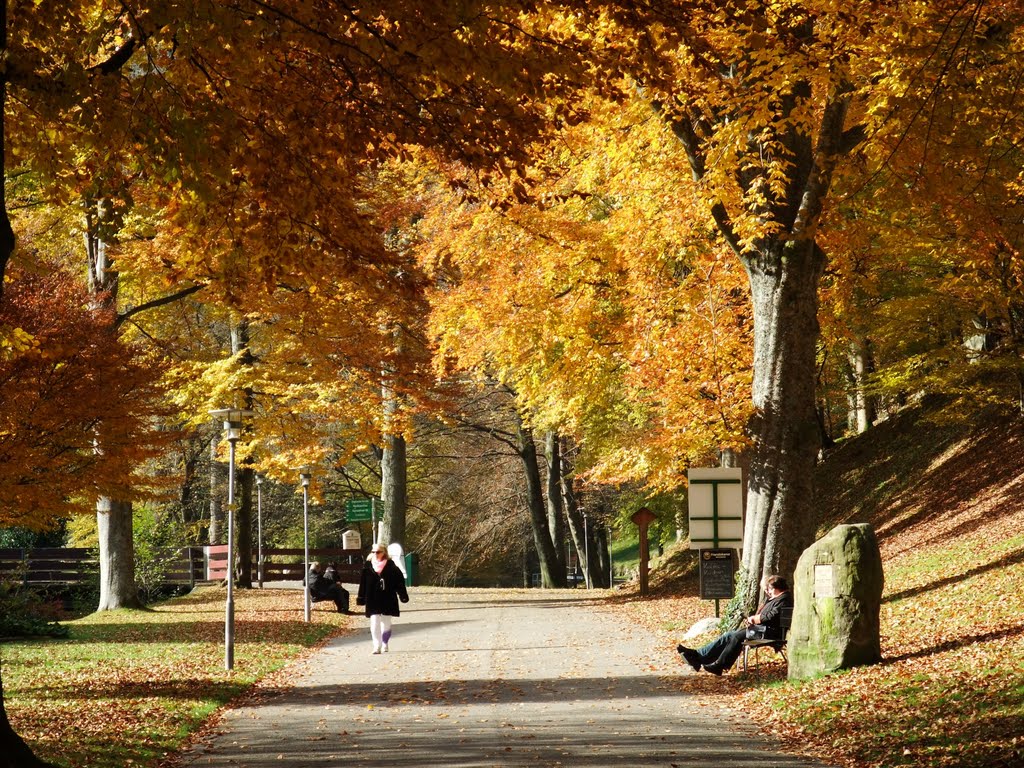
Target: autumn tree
x,y
68,387
768,101
601,305
926,253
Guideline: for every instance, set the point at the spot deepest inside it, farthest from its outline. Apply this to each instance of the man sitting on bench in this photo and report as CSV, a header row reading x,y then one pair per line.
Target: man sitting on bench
x,y
720,654
325,586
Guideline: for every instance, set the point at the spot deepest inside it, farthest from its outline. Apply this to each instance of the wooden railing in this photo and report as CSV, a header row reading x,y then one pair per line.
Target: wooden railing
x,y
50,565
70,566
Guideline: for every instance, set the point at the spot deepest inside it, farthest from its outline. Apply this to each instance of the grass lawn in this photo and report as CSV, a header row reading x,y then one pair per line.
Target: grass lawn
x,y
127,687
625,555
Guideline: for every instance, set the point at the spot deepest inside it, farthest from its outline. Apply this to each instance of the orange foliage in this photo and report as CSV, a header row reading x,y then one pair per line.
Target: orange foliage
x,y
594,289
75,421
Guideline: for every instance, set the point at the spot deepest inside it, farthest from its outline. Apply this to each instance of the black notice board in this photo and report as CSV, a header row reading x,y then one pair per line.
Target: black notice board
x,y
717,574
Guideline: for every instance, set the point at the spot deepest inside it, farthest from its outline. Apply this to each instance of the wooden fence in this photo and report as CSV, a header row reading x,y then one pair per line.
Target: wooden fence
x,y
70,566
50,565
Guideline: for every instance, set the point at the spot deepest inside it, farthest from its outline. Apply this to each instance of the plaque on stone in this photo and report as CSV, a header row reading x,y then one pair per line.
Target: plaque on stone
x,y
824,583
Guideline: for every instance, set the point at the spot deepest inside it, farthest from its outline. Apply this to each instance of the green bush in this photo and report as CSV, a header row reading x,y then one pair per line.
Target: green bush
x,y
25,612
152,538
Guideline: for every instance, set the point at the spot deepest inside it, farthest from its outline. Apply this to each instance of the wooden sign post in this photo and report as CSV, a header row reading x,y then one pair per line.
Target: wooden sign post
x,y
643,517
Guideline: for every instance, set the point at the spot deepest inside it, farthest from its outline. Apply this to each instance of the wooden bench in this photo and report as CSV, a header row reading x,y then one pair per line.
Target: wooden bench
x,y
777,645
349,562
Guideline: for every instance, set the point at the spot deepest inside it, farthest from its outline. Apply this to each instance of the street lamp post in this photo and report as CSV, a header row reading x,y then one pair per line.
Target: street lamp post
x,y
586,548
304,477
259,530
232,418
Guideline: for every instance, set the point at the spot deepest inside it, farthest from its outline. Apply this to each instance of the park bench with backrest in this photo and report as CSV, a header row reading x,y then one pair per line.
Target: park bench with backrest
x,y
287,564
776,644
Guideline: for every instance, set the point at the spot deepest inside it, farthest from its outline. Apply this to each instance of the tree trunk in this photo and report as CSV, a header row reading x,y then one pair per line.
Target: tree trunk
x,y
862,365
780,519
14,752
602,573
550,574
556,519
216,534
189,462
394,468
6,231
582,533
113,516
393,489
117,555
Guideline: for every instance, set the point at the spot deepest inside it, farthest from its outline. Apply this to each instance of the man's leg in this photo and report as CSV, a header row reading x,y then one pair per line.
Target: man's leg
x,y
340,597
706,654
718,655
711,652
729,647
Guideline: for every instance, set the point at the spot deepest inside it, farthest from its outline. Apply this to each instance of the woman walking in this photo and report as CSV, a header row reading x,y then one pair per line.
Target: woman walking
x,y
381,586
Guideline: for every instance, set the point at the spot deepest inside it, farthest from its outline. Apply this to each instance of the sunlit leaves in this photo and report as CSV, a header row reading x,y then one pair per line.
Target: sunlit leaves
x,y
77,406
599,299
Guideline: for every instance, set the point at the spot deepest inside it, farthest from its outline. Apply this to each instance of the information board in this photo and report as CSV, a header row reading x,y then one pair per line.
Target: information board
x,y
717,574
716,507
357,510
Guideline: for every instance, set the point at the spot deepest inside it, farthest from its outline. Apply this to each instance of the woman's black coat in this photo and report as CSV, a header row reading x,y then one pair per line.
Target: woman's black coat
x,y
381,593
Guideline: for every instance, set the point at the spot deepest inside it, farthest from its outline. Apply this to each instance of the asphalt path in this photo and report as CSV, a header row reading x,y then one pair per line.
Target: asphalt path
x,y
478,678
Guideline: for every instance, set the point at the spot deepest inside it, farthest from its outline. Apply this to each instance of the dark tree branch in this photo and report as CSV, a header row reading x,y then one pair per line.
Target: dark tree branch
x,y
169,299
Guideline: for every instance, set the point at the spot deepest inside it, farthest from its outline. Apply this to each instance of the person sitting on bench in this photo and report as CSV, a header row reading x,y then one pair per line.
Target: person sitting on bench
x,y
325,586
720,654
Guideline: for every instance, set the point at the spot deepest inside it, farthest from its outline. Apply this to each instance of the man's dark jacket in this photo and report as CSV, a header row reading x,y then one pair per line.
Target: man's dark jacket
x,y
771,616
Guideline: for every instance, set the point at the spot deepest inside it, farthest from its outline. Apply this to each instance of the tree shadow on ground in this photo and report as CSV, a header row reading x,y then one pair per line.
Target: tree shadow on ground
x,y
1012,558
958,643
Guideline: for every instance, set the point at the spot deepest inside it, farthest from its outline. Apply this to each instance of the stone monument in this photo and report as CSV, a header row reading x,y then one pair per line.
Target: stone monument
x,y
838,593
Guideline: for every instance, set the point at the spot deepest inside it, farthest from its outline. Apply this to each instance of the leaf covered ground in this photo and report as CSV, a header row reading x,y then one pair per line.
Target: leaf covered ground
x,y
947,503
128,686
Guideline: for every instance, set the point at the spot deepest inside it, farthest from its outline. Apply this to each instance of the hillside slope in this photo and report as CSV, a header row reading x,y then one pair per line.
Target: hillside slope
x,y
923,481
946,500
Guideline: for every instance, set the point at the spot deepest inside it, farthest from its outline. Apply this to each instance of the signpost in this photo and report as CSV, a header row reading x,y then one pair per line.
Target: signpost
x,y
643,517
359,510
716,528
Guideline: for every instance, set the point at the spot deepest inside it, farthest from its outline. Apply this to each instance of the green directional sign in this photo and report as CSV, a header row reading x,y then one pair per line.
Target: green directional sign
x,y
357,510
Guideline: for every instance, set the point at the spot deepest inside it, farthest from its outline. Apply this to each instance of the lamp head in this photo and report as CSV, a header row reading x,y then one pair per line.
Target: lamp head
x,y
232,420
